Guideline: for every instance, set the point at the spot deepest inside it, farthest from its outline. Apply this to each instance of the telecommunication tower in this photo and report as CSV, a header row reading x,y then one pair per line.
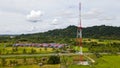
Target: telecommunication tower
x,y
79,34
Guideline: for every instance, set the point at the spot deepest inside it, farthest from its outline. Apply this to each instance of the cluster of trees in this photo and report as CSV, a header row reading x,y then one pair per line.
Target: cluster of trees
x,y
104,48
54,60
108,32
104,32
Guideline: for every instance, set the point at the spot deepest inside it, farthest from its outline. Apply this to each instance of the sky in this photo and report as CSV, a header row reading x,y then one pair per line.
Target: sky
x,y
33,16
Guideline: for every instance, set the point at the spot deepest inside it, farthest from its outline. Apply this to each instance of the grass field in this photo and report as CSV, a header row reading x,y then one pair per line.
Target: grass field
x,y
40,50
77,48
9,50
106,61
35,66
102,41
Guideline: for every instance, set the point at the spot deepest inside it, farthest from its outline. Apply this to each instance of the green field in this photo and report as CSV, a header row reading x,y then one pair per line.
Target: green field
x,y
37,66
25,50
28,50
106,61
77,48
103,62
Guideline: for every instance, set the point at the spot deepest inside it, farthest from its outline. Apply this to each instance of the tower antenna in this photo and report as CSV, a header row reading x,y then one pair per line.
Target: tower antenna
x,y
79,34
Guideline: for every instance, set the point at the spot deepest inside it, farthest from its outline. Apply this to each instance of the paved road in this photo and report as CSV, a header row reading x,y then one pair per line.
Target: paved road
x,y
35,55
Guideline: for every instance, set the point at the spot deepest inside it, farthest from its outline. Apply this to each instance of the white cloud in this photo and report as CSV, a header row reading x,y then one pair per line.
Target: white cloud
x,y
33,28
34,16
55,22
16,12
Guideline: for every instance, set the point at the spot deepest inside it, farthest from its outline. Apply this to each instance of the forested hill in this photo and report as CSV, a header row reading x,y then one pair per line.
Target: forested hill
x,y
107,32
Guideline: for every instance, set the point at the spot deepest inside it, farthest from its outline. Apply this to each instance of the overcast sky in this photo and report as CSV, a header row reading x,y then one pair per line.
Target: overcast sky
x,y
31,16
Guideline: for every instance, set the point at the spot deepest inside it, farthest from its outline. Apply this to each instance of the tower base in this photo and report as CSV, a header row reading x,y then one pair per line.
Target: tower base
x,y
83,63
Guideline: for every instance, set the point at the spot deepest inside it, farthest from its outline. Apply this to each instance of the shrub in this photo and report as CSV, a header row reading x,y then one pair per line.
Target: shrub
x,y
54,60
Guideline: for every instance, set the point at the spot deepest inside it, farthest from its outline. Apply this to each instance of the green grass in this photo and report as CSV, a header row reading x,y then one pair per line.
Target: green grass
x,y
85,49
8,50
101,41
108,62
79,66
37,66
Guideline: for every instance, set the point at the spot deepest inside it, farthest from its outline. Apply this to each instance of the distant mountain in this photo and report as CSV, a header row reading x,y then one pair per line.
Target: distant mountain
x,y
64,35
107,32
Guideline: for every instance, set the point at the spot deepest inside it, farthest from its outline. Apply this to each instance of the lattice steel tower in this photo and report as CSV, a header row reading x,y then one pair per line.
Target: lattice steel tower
x,y
79,34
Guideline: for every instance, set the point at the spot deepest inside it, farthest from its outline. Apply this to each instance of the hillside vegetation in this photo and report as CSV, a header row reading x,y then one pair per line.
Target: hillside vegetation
x,y
64,35
106,32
